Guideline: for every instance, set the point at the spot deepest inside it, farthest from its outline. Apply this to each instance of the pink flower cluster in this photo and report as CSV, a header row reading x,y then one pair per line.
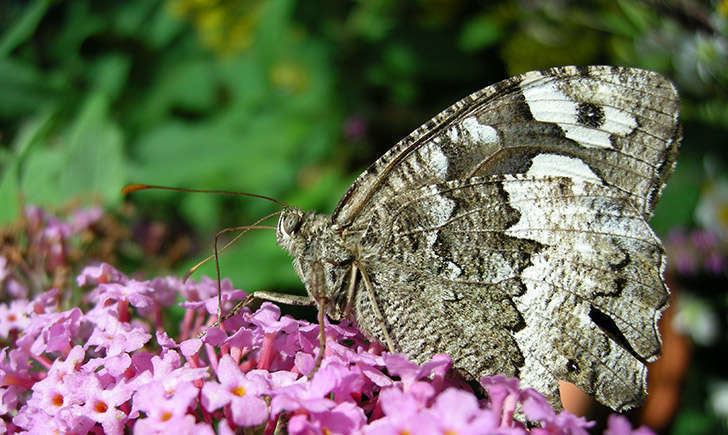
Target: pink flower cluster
x,y
114,369
48,242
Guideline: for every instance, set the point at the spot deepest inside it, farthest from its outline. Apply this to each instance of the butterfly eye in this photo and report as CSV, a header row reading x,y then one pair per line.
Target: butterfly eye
x,y
291,223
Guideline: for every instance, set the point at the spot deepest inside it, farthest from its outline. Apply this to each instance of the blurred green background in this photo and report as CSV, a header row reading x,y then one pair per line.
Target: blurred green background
x,y
293,99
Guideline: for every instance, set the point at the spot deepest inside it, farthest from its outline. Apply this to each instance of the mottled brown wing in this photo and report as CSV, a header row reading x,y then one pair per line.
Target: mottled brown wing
x,y
621,122
544,278
511,230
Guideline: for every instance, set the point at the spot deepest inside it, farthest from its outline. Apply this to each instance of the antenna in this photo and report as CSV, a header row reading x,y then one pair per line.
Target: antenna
x,y
243,230
131,188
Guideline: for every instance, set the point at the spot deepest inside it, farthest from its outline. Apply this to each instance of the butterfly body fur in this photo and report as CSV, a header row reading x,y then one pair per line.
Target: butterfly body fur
x,y
510,232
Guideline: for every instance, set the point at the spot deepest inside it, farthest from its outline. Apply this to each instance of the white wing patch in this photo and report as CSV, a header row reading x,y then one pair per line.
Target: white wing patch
x,y
570,227
556,165
549,104
474,130
435,158
479,132
439,210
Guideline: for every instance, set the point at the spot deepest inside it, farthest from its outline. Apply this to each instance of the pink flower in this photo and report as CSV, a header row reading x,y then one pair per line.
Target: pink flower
x,y
177,425
165,290
14,317
51,332
457,412
164,408
100,274
204,293
241,391
619,425
76,398
137,293
505,395
409,372
308,395
402,415
46,302
115,337
4,270
15,376
168,369
344,418
102,405
53,393
83,218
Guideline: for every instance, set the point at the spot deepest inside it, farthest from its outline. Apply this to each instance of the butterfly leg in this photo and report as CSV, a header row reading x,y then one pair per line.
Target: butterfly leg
x,y
279,298
350,292
375,306
321,301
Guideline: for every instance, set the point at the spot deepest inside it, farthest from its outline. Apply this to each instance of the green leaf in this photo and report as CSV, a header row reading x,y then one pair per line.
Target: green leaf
x,y
373,20
9,193
109,74
619,25
479,33
40,177
33,131
325,191
677,205
23,88
80,22
181,154
95,159
694,421
636,12
88,162
162,29
132,17
30,133
188,84
24,27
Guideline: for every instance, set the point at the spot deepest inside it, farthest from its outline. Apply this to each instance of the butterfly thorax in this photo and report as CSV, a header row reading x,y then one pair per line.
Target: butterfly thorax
x,y
320,257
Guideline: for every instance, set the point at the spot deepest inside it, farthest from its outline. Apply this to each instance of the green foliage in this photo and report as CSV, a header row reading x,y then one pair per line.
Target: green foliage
x,y
698,422
87,160
677,205
480,33
125,92
24,27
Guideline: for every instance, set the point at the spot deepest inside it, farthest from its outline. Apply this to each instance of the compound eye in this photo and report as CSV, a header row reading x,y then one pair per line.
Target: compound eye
x,y
291,223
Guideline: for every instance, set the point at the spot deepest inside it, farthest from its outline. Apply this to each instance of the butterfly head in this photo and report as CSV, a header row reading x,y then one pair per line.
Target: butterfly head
x,y
288,231
298,230
320,258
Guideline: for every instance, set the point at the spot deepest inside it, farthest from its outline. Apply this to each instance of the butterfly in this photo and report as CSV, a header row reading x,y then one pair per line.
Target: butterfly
x,y
510,232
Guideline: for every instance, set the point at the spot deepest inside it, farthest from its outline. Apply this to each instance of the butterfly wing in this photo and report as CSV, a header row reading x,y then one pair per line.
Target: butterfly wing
x,y
540,277
510,231
621,122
